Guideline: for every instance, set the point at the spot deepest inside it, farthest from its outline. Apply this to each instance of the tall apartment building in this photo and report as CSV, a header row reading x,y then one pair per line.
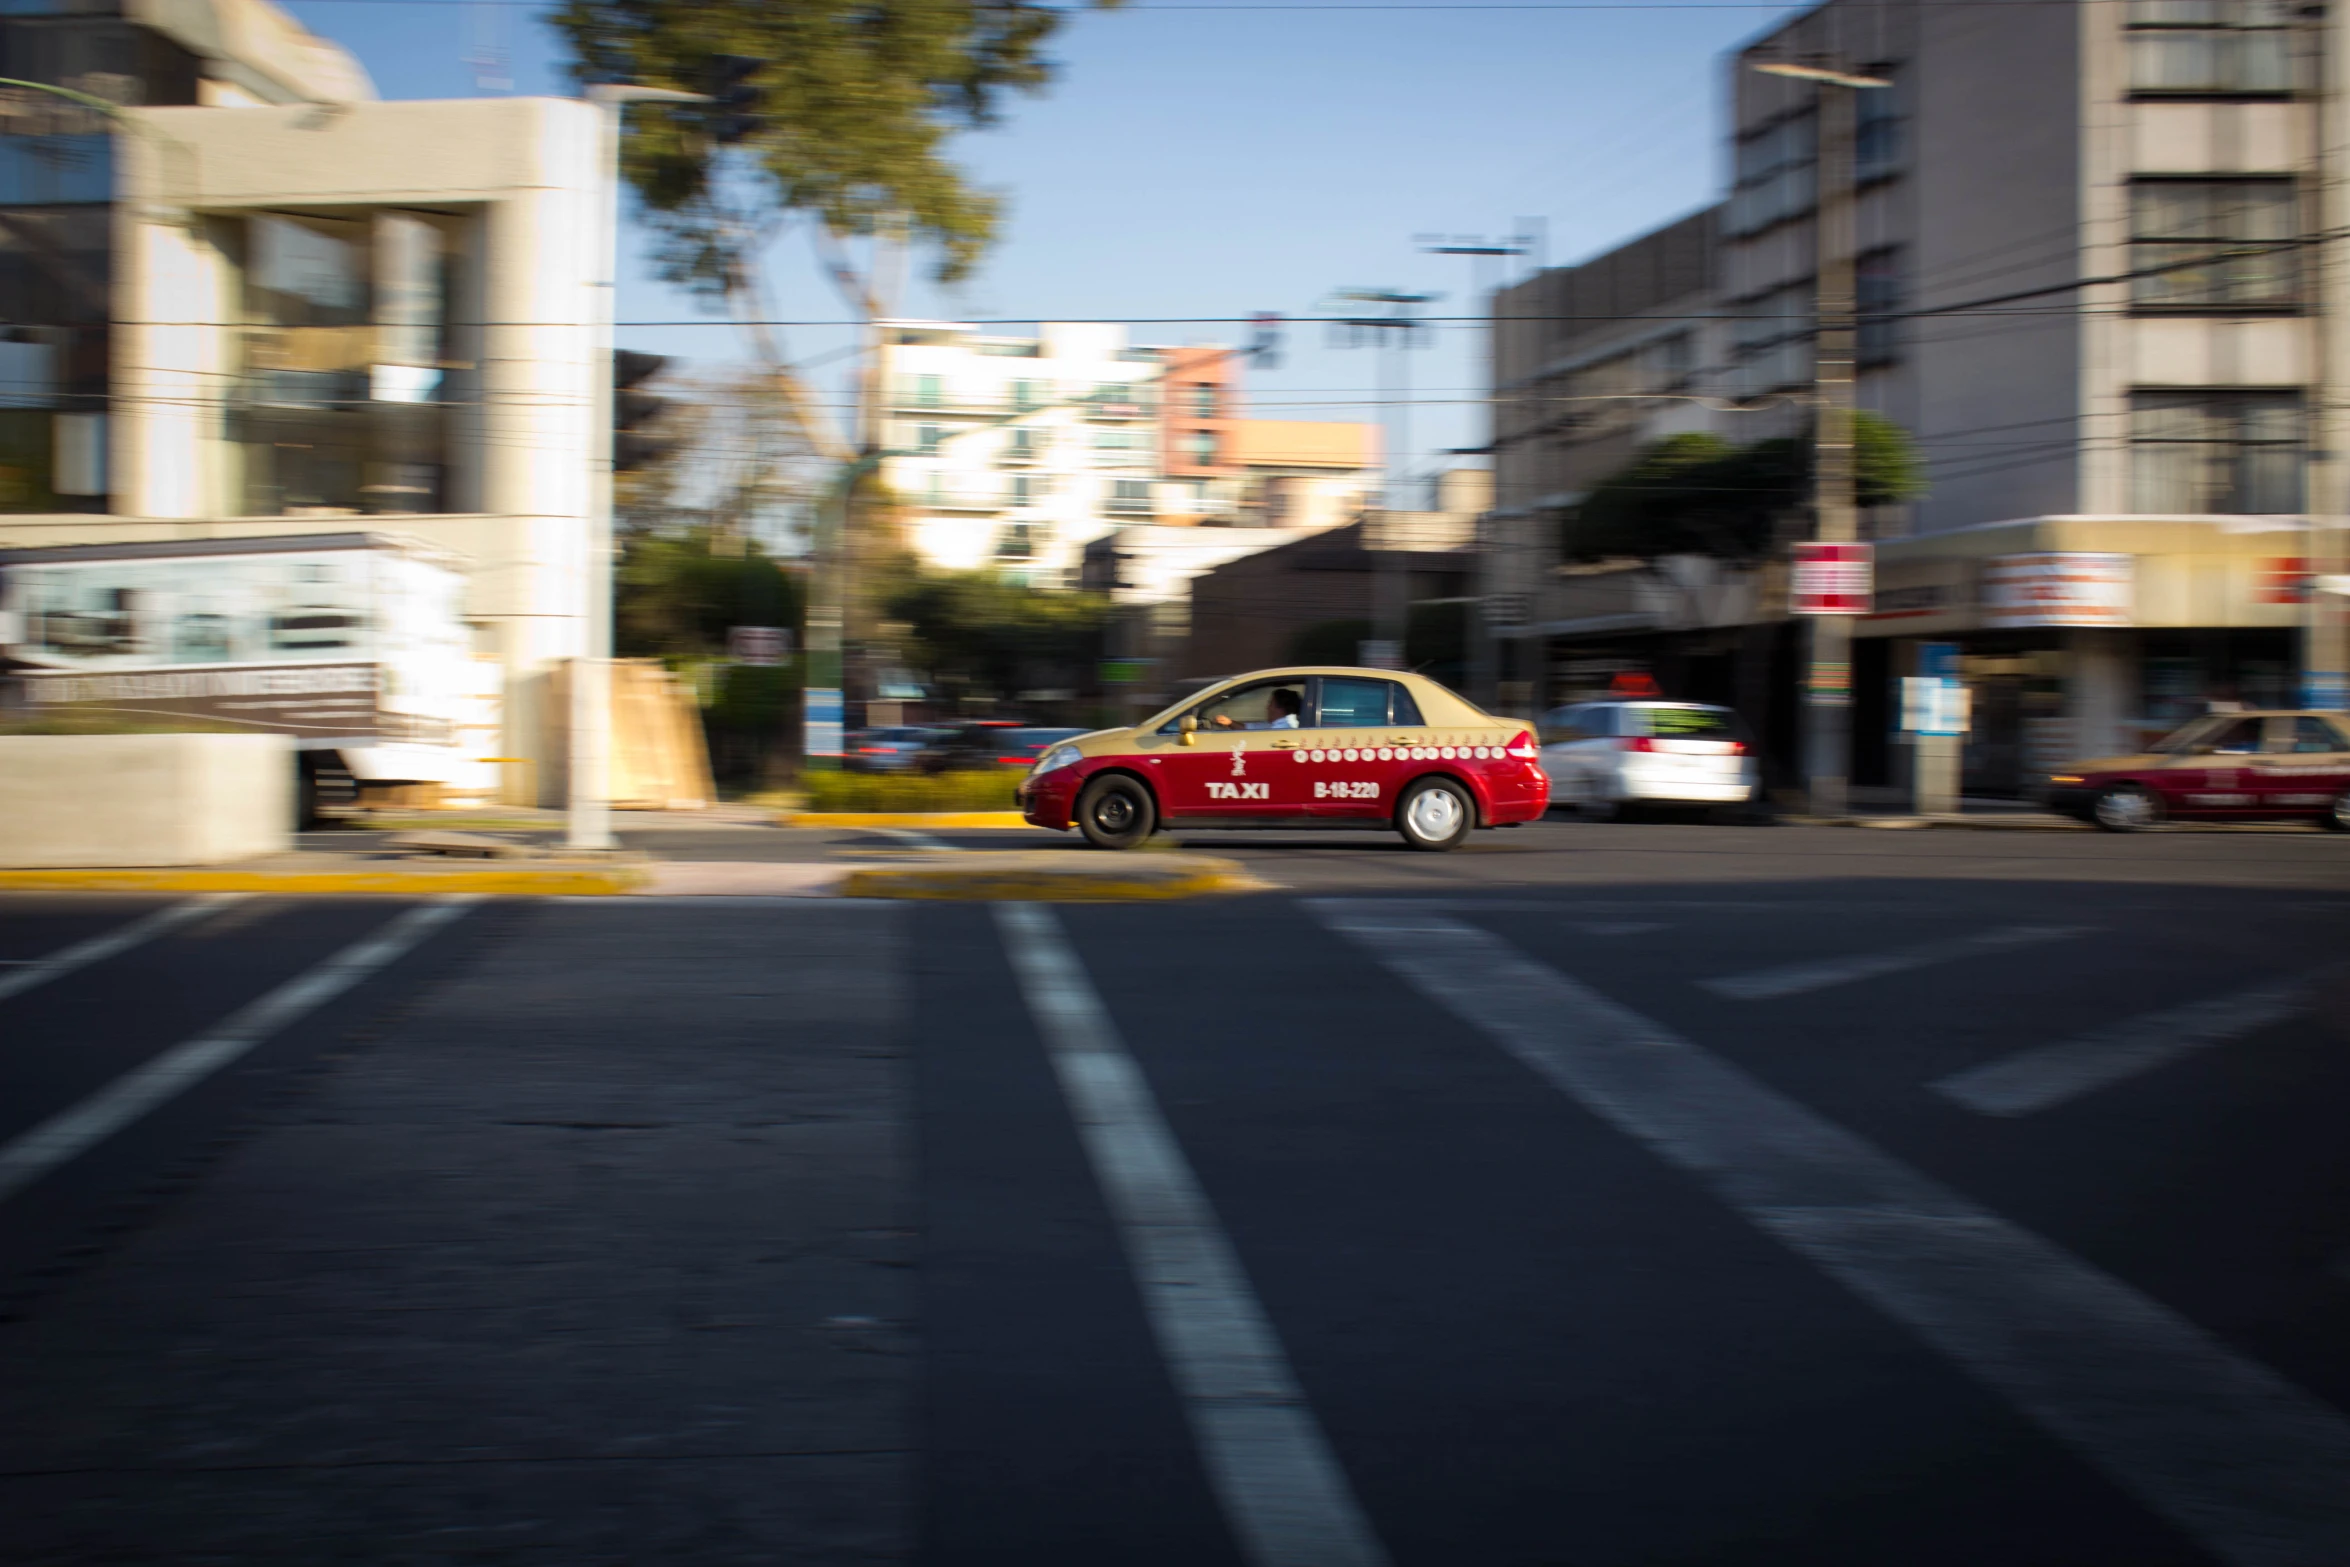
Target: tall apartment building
x,y
2081,288
264,304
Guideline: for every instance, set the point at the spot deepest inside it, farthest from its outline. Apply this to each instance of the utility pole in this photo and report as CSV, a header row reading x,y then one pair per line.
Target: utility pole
x,y
1396,334
589,817
1827,693
1480,652
2325,639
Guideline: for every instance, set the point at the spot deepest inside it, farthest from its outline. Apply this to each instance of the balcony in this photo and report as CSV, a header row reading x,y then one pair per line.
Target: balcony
x,y
1116,409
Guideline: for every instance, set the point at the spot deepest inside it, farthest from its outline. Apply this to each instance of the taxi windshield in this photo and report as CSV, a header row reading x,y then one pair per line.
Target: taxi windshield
x,y
2229,732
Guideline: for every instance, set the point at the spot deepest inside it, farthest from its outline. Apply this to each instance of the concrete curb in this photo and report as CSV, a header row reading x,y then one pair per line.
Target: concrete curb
x,y
957,821
1055,878
504,882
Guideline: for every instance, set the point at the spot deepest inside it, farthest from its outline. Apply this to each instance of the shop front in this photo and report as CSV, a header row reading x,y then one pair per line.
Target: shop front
x,y
2084,636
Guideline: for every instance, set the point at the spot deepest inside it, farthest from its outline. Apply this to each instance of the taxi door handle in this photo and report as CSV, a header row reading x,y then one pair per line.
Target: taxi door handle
x,y
1285,745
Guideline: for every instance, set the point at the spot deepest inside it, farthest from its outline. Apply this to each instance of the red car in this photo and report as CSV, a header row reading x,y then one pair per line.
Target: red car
x,y
1297,748
2224,767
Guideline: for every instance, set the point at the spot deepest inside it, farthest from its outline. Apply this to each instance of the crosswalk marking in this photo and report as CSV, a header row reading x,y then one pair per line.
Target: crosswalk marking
x,y
2230,1452
40,971
1282,1491
32,1154
1795,978
2048,1075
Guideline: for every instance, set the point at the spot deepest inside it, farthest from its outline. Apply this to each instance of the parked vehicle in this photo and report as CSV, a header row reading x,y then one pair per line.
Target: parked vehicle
x,y
1297,748
890,750
2222,767
1605,756
989,745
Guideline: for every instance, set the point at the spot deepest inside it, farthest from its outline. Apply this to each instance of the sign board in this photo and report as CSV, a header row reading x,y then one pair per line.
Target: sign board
x,y
761,645
2327,691
2059,590
1377,653
1938,660
821,721
1830,683
1931,705
1126,671
1831,579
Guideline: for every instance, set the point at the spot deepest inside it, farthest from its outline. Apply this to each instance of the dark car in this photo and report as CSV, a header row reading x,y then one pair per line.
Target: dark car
x,y
887,750
989,746
2223,767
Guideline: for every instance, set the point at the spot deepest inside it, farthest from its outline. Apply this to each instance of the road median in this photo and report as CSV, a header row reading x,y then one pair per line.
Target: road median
x,y
929,821
1052,876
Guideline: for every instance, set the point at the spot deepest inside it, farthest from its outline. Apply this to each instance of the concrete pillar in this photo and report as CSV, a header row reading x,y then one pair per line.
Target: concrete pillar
x,y
2100,691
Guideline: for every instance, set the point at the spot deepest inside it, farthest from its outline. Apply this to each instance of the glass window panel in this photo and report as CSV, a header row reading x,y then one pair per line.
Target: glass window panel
x,y
2315,735
1347,703
1403,709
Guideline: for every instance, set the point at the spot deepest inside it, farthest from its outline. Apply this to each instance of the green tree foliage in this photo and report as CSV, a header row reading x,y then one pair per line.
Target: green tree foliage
x,y
676,597
859,100
1699,494
982,635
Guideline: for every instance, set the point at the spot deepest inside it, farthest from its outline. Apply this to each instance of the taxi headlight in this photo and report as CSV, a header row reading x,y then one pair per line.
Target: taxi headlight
x,y
1059,756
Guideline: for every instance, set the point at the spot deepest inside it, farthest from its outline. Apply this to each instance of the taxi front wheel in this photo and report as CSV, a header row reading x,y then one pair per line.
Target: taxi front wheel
x,y
1116,812
1435,814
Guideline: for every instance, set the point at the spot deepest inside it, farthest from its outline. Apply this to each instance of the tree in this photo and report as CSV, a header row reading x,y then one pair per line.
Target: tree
x,y
855,103
984,636
1698,494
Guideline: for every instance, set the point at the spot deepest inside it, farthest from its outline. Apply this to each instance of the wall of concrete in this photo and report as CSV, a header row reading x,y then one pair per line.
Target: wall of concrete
x,y
186,799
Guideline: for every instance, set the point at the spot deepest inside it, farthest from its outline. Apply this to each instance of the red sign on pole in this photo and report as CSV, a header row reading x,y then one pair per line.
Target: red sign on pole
x,y
1832,579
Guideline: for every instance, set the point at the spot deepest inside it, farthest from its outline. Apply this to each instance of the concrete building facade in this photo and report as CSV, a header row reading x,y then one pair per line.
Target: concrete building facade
x,y
2086,284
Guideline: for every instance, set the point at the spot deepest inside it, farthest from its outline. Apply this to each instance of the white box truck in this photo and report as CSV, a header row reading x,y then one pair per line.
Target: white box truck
x,y
353,643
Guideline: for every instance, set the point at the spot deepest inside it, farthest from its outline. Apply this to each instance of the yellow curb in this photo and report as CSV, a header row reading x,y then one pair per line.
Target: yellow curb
x,y
598,881
1056,878
960,821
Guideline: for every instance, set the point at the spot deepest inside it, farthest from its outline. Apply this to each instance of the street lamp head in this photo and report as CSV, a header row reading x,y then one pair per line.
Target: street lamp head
x,y
629,92
1819,73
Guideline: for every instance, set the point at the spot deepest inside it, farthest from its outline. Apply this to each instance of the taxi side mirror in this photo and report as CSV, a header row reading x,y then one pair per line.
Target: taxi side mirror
x,y
1189,724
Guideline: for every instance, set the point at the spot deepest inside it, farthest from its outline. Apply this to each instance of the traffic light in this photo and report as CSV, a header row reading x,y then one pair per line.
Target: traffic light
x,y
633,410
1264,342
735,100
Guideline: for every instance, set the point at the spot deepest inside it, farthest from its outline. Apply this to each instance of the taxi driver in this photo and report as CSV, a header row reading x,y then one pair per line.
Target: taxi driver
x,y
1285,707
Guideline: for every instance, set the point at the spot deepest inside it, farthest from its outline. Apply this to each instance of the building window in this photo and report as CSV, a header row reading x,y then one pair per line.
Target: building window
x,y
1026,488
1778,174
1876,128
1015,543
1129,497
2174,222
929,391
1027,395
339,408
1669,362
2195,453
1876,282
1203,402
926,439
1199,448
1771,341
2212,47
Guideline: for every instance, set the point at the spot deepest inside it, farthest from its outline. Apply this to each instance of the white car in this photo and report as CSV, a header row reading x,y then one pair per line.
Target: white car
x,y
1604,756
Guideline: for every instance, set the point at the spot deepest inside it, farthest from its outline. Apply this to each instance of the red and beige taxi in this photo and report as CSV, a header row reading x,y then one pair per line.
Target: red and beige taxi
x,y
2227,766
1309,747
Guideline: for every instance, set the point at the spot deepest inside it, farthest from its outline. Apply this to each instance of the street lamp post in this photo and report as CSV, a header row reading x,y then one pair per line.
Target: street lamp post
x,y
1827,692
1396,333
588,823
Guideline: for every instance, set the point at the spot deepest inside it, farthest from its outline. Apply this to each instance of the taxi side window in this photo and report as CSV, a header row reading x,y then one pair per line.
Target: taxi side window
x,y
2241,738
1248,705
1401,709
1342,702
2316,735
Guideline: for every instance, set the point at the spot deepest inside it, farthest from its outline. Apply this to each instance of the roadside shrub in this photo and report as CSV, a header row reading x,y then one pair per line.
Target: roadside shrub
x,y
841,791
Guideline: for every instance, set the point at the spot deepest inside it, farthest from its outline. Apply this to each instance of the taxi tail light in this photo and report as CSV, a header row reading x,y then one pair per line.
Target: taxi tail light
x,y
1016,761
1638,743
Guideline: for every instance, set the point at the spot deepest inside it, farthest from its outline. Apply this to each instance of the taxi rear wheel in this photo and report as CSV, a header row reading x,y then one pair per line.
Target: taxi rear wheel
x,y
1116,812
1435,814
2126,808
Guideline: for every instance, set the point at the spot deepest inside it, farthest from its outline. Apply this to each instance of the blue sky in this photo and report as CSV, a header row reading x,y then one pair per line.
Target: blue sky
x,y
1213,162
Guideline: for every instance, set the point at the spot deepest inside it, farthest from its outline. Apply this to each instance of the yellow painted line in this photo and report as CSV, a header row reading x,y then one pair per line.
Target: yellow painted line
x,y
517,882
960,821
1057,878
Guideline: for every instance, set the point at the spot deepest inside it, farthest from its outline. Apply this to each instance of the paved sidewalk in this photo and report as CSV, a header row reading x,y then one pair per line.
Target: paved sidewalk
x,y
602,1255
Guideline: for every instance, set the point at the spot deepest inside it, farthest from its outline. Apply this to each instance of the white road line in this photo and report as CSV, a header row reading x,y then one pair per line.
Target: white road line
x,y
2048,1075
71,1132
99,948
909,835
1795,978
1282,1491
2241,1459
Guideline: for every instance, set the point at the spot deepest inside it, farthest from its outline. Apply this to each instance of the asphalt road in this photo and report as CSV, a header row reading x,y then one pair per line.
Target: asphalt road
x,y
1601,1195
